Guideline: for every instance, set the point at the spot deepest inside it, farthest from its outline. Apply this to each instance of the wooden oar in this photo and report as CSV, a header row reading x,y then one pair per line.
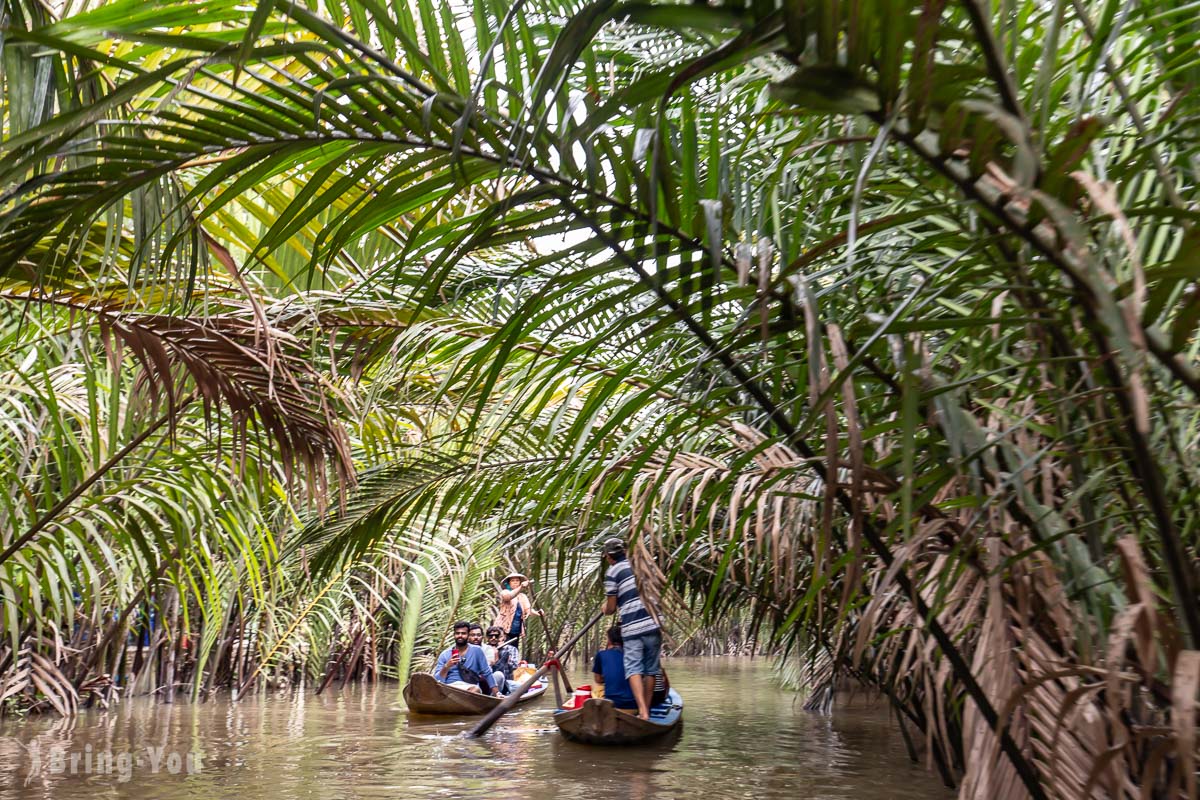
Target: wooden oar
x,y
482,726
550,643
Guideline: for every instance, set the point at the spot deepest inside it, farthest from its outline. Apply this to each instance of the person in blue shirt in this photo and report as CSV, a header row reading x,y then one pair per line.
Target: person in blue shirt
x,y
464,665
641,634
608,668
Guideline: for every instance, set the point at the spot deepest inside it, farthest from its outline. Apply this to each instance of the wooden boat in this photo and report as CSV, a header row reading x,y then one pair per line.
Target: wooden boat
x,y
424,694
598,721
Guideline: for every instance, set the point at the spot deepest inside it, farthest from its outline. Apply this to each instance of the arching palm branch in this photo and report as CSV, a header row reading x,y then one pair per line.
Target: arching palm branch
x,y
897,240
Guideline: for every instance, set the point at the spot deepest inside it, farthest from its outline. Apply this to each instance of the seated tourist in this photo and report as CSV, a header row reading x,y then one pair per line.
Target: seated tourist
x,y
506,659
608,669
464,665
476,638
491,654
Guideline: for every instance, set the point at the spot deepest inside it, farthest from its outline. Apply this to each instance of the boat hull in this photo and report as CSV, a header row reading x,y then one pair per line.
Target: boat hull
x,y
598,721
424,694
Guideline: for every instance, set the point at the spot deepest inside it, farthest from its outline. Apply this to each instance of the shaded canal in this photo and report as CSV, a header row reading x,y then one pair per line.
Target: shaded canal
x,y
742,738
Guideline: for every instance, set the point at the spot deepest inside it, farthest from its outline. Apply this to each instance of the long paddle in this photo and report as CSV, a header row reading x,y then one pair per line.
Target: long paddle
x,y
482,726
550,643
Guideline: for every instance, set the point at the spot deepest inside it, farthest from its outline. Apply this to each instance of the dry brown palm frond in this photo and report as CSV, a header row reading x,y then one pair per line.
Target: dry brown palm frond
x,y
1184,710
1091,723
1151,727
228,360
1009,655
768,512
1093,731
653,585
237,362
35,681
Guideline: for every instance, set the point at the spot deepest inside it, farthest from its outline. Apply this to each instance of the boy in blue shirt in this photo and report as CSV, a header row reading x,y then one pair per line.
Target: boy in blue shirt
x,y
464,665
608,668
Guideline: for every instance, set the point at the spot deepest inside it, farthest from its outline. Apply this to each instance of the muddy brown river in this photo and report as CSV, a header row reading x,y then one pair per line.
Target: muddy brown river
x,y
742,737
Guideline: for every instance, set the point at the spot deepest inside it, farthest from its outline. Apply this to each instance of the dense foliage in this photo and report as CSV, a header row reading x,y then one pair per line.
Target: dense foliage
x,y
875,318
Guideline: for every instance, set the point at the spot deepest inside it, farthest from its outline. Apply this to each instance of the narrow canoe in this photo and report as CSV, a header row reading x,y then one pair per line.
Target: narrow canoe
x,y
599,722
424,694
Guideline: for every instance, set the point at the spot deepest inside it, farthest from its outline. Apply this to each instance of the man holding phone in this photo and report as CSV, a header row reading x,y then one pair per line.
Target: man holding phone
x,y
464,665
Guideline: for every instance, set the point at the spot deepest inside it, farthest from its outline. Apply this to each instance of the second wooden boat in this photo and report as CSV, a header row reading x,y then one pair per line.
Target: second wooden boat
x,y
598,721
424,694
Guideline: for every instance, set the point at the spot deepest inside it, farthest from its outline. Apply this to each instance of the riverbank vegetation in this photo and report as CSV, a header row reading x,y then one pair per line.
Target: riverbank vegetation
x,y
872,323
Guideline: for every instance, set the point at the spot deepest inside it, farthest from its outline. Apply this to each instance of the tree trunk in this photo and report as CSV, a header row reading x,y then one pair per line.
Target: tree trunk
x,y
172,648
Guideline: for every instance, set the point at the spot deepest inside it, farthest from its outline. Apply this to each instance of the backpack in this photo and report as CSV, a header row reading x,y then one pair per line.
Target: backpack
x,y
469,675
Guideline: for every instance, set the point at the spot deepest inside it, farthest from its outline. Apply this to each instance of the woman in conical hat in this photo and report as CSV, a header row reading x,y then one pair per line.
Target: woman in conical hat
x,y
515,608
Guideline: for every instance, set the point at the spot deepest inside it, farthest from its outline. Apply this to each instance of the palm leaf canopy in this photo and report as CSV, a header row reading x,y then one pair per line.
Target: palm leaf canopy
x,y
876,316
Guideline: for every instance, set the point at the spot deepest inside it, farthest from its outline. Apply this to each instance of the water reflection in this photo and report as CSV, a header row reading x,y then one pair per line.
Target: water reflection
x,y
741,738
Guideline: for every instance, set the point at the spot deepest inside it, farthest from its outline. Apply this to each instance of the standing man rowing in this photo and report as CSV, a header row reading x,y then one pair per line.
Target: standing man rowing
x,y
642,637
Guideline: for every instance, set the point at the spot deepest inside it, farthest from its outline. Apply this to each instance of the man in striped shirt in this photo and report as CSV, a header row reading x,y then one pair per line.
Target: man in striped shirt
x,y
643,639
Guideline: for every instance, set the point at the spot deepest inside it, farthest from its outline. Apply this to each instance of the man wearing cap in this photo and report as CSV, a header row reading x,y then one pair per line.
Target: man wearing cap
x,y
641,635
514,608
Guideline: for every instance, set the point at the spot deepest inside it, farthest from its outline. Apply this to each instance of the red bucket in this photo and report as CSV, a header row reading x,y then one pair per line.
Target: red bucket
x,y
582,695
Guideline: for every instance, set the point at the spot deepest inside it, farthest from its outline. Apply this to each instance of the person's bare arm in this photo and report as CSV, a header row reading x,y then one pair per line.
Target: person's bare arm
x,y
610,604
527,604
597,677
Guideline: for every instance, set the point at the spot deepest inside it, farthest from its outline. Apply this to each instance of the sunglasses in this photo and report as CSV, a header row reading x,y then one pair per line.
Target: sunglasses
x,y
494,636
